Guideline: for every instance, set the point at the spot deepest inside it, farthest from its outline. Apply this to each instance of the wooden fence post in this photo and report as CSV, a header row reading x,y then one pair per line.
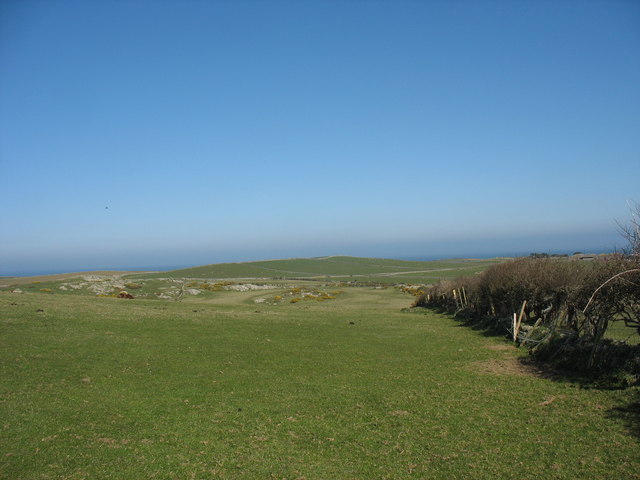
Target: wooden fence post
x,y
516,326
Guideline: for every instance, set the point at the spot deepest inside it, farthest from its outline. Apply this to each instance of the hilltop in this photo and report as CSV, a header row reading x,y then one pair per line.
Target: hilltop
x,y
296,271
336,268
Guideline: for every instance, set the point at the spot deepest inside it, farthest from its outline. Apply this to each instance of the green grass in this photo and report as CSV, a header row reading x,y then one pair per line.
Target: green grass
x,y
311,271
619,331
222,387
338,268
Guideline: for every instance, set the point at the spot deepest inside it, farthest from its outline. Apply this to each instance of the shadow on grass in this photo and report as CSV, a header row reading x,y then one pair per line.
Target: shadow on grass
x,y
489,327
562,370
629,414
550,372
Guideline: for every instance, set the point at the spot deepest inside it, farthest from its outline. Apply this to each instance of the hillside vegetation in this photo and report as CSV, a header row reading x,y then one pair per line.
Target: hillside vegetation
x,y
335,268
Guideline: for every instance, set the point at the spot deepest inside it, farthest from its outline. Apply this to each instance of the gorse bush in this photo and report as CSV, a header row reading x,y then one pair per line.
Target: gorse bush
x,y
563,307
415,290
307,294
211,287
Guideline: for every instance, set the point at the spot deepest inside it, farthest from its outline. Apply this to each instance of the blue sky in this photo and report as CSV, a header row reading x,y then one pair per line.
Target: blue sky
x,y
230,131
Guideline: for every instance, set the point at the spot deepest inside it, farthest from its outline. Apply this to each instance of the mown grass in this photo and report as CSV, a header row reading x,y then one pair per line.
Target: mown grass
x,y
352,388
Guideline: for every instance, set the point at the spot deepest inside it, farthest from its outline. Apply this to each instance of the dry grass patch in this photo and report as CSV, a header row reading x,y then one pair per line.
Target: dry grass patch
x,y
500,348
507,366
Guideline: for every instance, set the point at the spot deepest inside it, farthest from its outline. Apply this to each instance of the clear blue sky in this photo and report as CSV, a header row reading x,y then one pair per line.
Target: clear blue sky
x,y
237,130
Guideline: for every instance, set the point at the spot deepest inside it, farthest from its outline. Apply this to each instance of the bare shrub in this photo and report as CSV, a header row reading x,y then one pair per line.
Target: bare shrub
x,y
631,231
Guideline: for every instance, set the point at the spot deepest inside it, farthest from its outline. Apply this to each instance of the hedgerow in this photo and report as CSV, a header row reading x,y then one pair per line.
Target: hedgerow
x,y
560,309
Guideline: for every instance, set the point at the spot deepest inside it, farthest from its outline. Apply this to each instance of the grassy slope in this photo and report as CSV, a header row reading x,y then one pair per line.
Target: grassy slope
x,y
338,267
335,269
345,389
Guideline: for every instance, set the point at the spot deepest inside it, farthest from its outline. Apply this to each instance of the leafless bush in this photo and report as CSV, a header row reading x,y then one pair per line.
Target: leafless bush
x,y
631,231
614,294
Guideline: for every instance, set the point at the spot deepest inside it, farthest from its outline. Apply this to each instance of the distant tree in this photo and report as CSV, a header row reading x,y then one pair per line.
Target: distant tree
x,y
631,231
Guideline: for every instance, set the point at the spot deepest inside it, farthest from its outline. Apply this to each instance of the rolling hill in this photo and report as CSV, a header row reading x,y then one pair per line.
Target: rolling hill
x,y
337,268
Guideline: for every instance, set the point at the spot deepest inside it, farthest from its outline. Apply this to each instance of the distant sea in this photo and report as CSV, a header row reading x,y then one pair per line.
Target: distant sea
x,y
59,271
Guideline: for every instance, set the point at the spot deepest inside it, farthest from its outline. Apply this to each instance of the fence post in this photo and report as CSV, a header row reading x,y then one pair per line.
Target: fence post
x,y
516,326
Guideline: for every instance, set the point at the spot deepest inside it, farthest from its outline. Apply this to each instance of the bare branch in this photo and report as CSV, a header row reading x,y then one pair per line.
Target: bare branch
x,y
611,279
631,231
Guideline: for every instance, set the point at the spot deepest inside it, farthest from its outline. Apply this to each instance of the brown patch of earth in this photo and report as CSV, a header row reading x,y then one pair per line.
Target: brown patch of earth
x,y
399,413
500,347
508,366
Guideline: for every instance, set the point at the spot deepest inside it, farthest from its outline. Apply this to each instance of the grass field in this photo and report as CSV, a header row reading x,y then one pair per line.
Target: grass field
x,y
336,268
219,386
313,272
